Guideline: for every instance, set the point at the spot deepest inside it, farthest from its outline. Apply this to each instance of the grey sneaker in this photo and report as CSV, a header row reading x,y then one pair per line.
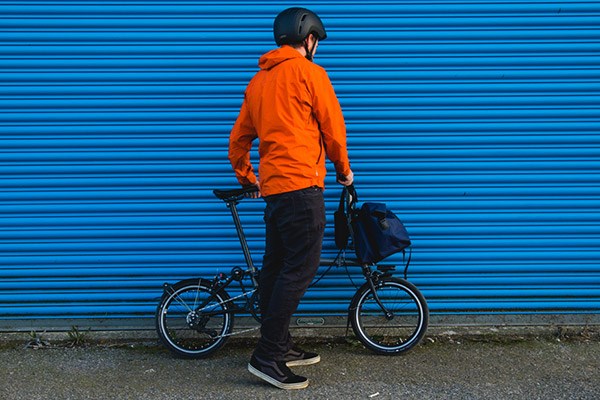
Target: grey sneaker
x,y
276,373
296,356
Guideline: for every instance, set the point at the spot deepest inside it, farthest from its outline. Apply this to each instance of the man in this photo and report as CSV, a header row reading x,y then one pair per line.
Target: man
x,y
291,107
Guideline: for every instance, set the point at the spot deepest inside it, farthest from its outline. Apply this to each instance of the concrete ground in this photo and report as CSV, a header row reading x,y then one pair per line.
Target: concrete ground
x,y
447,365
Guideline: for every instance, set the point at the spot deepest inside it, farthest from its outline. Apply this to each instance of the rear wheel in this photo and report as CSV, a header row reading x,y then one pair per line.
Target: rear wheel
x,y
193,321
396,332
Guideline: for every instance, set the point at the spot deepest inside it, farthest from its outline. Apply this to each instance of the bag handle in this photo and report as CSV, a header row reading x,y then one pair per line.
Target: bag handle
x,y
343,217
348,199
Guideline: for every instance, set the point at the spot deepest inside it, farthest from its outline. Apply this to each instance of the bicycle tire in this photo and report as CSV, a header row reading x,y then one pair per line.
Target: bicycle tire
x,y
192,320
397,334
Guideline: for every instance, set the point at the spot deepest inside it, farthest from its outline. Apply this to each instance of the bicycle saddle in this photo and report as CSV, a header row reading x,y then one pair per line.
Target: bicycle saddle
x,y
232,194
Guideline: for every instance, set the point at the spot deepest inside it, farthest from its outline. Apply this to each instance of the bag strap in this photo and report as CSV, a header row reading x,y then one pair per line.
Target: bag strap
x,y
408,262
348,199
351,197
342,204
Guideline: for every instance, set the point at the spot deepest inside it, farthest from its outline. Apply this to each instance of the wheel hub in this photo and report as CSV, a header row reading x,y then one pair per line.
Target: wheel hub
x,y
192,319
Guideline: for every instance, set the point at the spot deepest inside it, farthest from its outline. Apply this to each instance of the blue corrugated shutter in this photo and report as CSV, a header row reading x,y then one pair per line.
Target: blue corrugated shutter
x,y
478,122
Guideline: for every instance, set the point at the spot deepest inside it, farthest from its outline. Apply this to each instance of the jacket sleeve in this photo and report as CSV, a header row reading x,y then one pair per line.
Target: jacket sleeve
x,y
328,113
240,143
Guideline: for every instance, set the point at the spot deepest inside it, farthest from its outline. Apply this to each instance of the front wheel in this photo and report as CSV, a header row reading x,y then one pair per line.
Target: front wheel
x,y
192,320
403,326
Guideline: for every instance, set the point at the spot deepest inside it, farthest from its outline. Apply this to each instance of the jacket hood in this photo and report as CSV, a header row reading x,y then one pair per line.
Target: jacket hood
x,y
277,56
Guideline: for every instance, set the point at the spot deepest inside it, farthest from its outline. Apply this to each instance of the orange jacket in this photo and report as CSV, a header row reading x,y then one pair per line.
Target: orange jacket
x,y
291,107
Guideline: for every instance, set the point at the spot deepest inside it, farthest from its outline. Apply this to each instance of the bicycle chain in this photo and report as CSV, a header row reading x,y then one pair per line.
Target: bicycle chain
x,y
238,332
246,294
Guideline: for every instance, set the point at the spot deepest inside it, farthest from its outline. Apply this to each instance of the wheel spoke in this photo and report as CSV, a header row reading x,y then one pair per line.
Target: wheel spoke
x,y
183,303
194,331
390,335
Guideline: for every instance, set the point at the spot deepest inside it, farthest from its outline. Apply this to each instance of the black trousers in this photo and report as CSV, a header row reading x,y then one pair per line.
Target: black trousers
x,y
295,222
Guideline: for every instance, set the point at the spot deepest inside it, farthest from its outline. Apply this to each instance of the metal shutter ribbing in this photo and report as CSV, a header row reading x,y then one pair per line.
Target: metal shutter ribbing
x,y
478,122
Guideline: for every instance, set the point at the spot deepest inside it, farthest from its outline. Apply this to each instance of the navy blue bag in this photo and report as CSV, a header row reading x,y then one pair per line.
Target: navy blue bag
x,y
377,233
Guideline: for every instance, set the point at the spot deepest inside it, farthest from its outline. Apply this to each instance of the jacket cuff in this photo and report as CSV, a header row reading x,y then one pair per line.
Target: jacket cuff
x,y
248,180
344,170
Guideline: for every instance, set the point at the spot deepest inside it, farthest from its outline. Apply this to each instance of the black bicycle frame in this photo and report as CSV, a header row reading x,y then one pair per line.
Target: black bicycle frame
x,y
232,205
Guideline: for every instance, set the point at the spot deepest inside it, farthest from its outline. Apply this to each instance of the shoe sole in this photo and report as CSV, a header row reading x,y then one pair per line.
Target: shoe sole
x,y
275,382
308,361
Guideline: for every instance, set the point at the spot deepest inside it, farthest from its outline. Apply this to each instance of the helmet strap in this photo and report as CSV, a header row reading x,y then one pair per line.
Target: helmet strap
x,y
310,53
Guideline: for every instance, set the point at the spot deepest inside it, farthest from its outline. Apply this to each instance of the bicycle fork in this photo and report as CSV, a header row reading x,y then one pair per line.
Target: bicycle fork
x,y
372,279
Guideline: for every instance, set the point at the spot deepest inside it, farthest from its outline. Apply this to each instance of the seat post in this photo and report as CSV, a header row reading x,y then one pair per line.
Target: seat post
x,y
241,236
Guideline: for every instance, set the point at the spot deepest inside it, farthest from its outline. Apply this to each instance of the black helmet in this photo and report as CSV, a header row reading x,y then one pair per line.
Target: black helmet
x,y
294,24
